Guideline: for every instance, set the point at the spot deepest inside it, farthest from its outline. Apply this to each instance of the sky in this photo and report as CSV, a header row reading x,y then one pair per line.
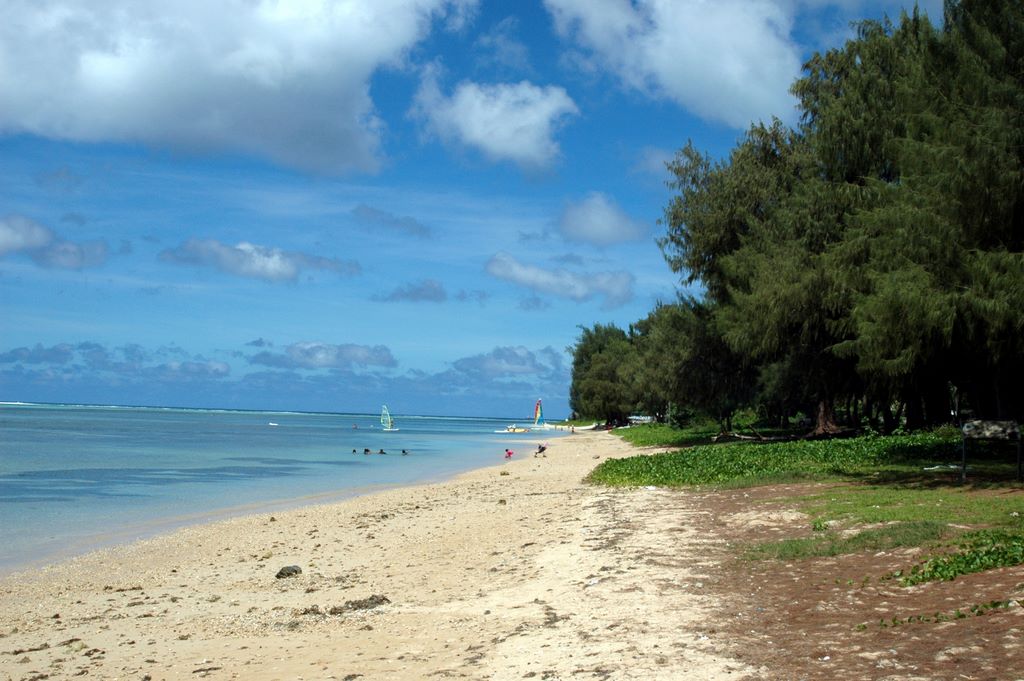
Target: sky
x,y
327,205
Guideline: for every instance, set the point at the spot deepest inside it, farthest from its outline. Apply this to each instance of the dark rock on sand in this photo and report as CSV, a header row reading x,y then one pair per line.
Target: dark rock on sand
x,y
366,603
288,571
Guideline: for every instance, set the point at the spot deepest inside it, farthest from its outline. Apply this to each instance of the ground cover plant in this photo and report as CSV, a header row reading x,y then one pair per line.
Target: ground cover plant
x,y
748,463
978,551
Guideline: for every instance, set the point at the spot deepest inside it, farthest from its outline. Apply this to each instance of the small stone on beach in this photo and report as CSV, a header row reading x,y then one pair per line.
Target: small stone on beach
x,y
288,571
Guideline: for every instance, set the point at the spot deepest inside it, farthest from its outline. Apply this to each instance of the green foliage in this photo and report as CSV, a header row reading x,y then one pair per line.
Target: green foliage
x,y
977,552
751,464
661,345
664,435
875,255
599,389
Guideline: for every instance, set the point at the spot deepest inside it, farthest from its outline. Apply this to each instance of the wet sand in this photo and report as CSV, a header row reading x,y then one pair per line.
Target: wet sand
x,y
514,571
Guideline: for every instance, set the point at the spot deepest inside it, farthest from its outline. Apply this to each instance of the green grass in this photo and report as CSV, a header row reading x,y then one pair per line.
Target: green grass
x,y
920,502
833,544
664,435
696,433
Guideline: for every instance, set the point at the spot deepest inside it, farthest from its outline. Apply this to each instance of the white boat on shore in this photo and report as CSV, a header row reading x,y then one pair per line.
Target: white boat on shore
x,y
571,428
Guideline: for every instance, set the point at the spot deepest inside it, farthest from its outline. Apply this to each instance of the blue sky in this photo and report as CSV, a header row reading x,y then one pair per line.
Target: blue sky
x,y
320,205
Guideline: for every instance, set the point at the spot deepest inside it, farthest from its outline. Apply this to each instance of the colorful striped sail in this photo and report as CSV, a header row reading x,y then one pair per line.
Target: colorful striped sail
x,y
538,413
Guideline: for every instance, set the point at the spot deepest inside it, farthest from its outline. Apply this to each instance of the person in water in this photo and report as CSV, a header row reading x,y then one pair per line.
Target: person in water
x,y
366,450
405,453
382,452
508,453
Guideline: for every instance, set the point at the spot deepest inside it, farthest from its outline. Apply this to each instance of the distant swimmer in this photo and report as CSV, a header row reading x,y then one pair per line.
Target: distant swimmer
x,y
366,450
354,451
405,453
382,452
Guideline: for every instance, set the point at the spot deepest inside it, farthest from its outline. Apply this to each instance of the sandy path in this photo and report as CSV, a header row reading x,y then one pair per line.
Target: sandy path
x,y
510,572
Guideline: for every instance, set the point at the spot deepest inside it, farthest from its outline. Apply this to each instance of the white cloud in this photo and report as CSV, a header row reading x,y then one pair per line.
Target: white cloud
x,y
251,260
189,371
21,234
288,81
506,122
18,233
425,291
71,256
616,287
402,224
317,355
500,50
652,161
730,61
502,362
598,220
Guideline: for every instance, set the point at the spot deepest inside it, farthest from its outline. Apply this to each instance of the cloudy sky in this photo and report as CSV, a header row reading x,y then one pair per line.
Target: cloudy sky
x,y
331,204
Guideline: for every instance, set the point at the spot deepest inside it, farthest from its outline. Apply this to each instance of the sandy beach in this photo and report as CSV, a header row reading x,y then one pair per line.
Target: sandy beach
x,y
514,571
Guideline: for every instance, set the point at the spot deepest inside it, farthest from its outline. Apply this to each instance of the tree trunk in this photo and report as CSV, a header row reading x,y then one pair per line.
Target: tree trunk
x,y
825,422
915,412
889,420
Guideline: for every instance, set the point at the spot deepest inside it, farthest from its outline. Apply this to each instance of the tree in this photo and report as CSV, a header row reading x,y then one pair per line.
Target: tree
x,y
875,255
599,388
939,291
655,368
753,231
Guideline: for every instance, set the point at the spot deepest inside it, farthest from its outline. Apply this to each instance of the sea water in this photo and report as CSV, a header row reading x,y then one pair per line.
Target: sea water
x,y
75,478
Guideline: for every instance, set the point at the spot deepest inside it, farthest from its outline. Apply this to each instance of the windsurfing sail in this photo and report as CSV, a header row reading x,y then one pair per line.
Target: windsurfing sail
x,y
386,422
538,414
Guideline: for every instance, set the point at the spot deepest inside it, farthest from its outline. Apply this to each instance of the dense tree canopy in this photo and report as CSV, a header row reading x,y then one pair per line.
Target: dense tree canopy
x,y
872,258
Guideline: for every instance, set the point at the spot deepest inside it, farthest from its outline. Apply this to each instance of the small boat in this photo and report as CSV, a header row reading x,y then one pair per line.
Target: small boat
x,y
386,422
538,416
538,422
513,429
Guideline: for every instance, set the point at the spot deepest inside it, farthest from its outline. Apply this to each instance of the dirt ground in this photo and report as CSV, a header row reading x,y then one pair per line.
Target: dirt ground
x,y
821,618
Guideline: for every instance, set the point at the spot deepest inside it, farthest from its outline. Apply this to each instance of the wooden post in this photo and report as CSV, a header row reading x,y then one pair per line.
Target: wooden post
x,y
963,460
1020,470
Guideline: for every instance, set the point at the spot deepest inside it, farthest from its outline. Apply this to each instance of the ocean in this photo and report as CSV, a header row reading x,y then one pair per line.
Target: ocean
x,y
77,478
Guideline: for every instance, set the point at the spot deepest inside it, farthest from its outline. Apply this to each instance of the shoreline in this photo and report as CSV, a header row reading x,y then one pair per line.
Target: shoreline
x,y
157,527
507,571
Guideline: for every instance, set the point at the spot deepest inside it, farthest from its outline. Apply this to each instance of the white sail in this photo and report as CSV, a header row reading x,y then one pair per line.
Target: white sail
x,y
386,422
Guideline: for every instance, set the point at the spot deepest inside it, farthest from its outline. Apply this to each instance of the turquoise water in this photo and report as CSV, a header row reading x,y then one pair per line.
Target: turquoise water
x,y
75,478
